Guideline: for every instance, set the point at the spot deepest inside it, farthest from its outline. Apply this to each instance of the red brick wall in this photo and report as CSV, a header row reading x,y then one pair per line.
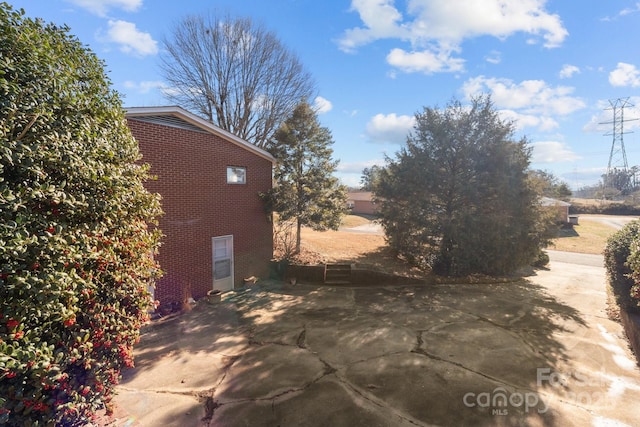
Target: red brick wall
x,y
198,204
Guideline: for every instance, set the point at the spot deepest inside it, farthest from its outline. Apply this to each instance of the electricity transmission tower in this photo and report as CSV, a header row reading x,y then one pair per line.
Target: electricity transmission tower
x,y
618,175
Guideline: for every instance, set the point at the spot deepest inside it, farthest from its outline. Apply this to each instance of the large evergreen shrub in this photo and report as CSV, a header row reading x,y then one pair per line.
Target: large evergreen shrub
x,y
76,256
459,199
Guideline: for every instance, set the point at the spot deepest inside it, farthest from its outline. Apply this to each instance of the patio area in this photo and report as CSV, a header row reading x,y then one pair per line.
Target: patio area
x,y
533,351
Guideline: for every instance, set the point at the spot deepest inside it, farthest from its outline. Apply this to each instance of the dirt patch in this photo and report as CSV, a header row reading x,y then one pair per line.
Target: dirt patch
x,y
363,249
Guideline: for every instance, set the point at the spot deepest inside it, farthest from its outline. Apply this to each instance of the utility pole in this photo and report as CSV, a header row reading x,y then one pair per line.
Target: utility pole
x,y
618,176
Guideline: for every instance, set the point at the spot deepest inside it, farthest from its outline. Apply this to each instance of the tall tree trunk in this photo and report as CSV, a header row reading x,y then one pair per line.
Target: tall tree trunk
x,y
298,228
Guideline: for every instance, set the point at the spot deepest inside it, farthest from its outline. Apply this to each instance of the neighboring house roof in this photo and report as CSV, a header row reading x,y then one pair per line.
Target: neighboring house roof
x,y
360,196
177,117
548,201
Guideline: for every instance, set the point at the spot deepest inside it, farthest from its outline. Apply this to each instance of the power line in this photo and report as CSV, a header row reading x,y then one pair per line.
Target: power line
x,y
618,165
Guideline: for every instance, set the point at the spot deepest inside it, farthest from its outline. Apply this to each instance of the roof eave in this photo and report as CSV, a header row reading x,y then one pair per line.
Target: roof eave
x,y
200,123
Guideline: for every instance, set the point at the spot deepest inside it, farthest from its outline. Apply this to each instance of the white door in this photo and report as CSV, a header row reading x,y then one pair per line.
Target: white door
x,y
223,263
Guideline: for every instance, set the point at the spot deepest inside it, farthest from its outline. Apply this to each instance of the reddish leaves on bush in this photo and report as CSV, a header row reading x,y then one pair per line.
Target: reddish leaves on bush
x,y
76,260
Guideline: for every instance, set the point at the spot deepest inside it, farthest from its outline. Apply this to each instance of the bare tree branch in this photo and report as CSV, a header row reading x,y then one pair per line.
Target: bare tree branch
x,y
235,74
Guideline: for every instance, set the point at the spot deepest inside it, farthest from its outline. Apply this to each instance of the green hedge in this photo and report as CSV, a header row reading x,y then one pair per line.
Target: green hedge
x,y
605,209
622,262
75,248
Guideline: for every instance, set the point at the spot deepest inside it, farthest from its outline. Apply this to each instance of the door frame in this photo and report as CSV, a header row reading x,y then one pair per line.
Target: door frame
x,y
228,238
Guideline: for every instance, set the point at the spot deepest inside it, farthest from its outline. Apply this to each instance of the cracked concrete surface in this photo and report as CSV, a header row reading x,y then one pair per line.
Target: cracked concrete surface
x,y
538,351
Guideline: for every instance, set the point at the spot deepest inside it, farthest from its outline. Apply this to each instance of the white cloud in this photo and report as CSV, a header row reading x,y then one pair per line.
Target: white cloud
x,y
350,173
357,167
595,124
424,61
390,128
521,121
568,71
350,179
452,21
552,152
587,176
101,7
530,96
145,86
130,39
456,20
624,12
625,75
630,10
322,105
494,57
381,20
435,29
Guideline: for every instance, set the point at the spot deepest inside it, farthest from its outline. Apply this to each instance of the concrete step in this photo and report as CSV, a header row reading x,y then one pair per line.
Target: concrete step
x,y
337,274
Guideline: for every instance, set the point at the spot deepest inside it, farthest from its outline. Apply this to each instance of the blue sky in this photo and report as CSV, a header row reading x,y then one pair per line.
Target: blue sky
x,y
551,66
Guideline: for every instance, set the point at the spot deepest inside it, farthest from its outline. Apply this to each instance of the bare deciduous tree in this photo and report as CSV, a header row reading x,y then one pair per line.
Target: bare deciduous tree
x,y
235,74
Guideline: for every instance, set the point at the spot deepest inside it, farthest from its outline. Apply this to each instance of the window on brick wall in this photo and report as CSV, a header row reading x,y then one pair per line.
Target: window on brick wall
x,y
236,175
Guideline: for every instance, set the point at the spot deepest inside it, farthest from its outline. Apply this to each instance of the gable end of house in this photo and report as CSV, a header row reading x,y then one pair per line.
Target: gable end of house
x,y
180,118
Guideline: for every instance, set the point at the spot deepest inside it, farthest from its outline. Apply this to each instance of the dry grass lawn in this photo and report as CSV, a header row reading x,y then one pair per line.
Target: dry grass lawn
x,y
342,245
371,249
350,221
364,249
589,237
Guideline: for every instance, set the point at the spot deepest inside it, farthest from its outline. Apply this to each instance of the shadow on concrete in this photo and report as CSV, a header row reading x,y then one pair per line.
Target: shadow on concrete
x,y
445,354
481,341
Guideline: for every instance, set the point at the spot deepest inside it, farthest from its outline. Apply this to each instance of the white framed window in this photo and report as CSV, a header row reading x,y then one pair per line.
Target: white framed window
x,y
236,175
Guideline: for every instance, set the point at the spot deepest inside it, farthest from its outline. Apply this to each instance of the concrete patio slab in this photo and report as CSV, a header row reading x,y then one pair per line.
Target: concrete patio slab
x,y
150,408
538,351
268,372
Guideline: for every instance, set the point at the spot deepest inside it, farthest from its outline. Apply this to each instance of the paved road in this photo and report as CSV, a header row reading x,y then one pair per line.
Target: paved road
x,y
576,258
614,221
370,228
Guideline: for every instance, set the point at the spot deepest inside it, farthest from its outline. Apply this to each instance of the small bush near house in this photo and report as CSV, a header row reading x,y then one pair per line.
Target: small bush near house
x,y
622,262
76,257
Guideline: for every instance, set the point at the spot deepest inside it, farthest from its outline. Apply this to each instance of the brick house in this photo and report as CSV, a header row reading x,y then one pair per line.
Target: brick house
x,y
361,202
216,230
561,208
